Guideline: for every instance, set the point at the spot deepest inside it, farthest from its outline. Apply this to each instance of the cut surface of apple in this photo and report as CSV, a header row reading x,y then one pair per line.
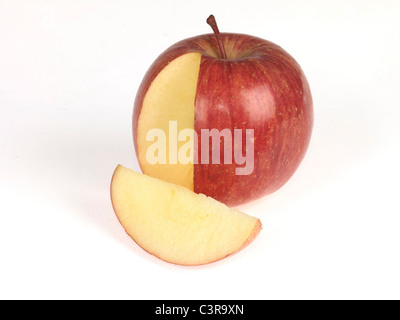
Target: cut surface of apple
x,y
176,224
170,97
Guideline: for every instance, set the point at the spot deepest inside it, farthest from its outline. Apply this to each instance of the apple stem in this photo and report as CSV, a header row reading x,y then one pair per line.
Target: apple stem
x,y
211,21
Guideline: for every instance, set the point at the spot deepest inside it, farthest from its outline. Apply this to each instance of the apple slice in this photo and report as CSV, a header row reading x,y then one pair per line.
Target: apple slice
x,y
176,224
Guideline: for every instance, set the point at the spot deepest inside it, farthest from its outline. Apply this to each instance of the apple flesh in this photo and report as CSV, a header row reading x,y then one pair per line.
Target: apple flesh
x,y
170,97
258,86
176,224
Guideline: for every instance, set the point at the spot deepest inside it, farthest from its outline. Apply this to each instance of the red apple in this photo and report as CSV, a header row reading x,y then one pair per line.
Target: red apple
x,y
224,81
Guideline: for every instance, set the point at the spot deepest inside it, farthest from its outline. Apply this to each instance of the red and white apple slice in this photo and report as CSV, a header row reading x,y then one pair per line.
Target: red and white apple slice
x,y
176,224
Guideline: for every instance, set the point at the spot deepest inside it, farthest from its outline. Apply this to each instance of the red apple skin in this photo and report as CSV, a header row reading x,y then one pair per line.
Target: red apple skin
x,y
261,87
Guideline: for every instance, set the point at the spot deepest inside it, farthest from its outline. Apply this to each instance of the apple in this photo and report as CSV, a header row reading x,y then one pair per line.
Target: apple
x,y
175,224
233,84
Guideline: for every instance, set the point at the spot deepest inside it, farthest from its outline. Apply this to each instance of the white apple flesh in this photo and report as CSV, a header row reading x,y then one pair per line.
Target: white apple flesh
x,y
175,224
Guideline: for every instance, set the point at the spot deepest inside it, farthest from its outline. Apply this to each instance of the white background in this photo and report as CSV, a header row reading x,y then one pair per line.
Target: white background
x,y
69,72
